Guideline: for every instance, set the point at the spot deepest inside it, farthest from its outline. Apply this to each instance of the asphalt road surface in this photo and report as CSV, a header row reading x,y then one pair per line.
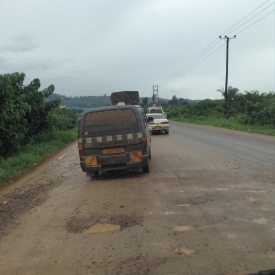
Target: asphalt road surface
x,y
206,207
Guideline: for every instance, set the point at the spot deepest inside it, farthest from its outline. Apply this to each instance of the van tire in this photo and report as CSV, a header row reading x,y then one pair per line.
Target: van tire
x,y
145,169
166,131
95,174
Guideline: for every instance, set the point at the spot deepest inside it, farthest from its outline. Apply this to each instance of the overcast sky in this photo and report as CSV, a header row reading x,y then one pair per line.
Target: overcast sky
x,y
96,47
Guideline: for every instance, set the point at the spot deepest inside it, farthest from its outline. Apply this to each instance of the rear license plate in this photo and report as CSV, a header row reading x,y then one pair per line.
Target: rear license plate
x,y
158,128
113,151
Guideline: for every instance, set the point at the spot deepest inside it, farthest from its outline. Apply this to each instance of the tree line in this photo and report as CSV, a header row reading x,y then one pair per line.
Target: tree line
x,y
249,108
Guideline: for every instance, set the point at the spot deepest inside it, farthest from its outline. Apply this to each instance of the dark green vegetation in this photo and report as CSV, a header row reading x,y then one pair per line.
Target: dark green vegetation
x,y
38,149
250,111
31,126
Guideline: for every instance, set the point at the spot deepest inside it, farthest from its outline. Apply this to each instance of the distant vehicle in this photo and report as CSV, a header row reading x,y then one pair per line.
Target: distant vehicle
x,y
114,137
155,110
158,123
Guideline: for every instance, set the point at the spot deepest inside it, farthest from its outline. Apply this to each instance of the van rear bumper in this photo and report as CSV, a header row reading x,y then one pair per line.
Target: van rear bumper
x,y
108,166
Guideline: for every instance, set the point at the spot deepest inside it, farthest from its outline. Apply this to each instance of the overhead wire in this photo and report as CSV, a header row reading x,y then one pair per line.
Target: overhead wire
x,y
256,22
244,18
191,64
252,17
181,71
204,58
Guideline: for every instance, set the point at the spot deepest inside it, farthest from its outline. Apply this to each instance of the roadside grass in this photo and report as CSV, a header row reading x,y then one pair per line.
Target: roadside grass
x,y
230,123
38,149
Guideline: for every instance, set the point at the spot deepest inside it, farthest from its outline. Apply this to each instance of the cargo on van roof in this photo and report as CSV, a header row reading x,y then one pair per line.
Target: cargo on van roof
x,y
128,97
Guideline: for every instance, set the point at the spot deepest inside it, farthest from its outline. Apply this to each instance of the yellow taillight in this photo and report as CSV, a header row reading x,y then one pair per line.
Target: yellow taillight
x,y
91,161
136,156
80,150
144,139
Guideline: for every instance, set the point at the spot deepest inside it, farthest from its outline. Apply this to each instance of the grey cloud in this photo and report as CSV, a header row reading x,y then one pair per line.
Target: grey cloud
x,y
20,44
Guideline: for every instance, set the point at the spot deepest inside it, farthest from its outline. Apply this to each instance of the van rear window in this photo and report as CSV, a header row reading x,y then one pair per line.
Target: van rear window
x,y
156,111
111,122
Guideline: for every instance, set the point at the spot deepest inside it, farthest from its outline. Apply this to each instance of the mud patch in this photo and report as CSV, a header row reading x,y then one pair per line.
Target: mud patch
x,y
261,221
184,251
199,200
231,236
21,200
140,265
257,191
79,224
183,228
165,213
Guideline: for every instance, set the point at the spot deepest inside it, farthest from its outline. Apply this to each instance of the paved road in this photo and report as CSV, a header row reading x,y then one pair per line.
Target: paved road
x,y
206,207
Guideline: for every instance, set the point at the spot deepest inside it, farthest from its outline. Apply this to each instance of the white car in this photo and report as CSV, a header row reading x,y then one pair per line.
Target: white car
x,y
158,122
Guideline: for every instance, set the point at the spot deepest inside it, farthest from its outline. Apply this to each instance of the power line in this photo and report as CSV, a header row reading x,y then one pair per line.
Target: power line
x,y
244,18
183,70
252,17
204,59
256,22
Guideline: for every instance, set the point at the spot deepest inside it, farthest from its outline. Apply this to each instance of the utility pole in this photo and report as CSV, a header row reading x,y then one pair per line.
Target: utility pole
x,y
226,74
155,97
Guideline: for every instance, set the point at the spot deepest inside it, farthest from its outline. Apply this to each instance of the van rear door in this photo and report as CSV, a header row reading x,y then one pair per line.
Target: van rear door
x,y
113,137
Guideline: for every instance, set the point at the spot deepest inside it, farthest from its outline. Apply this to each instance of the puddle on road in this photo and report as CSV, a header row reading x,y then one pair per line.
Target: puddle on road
x,y
101,228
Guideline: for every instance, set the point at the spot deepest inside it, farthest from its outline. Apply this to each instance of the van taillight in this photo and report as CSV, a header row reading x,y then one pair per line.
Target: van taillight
x,y
80,150
144,142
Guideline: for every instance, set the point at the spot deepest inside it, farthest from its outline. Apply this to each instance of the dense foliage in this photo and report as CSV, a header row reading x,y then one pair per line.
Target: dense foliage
x,y
249,108
25,112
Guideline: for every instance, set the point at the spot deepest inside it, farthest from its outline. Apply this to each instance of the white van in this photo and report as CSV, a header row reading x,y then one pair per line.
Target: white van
x,y
156,110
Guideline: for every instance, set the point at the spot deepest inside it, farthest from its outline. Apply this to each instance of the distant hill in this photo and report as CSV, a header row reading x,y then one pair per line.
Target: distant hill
x,y
82,102
85,102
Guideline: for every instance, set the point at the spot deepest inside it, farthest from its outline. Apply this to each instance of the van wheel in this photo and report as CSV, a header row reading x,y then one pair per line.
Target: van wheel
x,y
166,131
145,169
95,174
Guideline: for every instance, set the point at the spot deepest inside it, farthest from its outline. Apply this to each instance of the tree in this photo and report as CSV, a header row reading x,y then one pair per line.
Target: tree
x,y
231,96
145,100
174,100
23,111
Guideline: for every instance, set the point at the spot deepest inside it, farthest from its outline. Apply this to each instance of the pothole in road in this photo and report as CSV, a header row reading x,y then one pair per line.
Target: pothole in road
x,y
100,224
101,228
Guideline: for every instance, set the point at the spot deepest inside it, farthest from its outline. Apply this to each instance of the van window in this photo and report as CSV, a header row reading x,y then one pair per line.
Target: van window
x,y
156,111
111,122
